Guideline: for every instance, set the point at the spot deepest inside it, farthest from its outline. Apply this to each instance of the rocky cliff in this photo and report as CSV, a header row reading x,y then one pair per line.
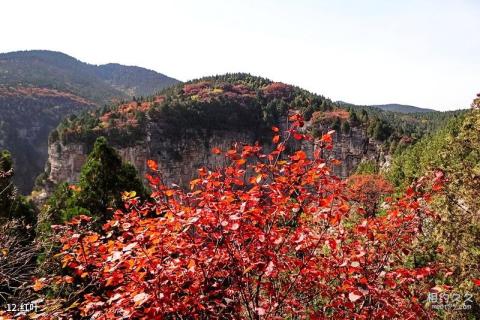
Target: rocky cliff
x,y
178,128
179,159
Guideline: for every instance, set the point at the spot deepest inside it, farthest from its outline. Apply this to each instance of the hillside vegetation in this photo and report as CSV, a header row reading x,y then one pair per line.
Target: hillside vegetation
x,y
56,70
402,108
38,89
454,152
240,101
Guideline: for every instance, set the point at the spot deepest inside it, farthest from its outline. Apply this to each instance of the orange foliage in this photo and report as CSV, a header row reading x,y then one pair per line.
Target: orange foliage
x,y
367,190
37,92
329,116
262,238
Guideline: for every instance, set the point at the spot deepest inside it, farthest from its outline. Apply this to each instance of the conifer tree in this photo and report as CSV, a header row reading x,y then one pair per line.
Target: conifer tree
x,y
102,180
12,205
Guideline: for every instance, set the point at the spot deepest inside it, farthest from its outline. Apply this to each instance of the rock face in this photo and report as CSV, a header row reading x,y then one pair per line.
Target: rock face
x,y
180,158
353,148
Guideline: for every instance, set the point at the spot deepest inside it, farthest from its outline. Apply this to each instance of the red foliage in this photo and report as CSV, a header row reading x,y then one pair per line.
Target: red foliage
x,y
36,92
367,190
195,88
328,117
207,91
278,89
265,238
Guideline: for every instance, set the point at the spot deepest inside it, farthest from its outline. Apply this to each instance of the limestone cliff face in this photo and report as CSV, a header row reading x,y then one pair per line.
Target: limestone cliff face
x,y
354,147
179,158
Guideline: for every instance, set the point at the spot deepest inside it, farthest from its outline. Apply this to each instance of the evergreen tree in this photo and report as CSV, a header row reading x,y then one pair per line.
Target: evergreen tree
x,y
353,118
104,177
12,205
345,127
336,124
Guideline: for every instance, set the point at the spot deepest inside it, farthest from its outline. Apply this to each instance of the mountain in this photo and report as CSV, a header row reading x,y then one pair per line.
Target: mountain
x,y
179,126
134,81
99,84
27,116
402,108
39,88
392,107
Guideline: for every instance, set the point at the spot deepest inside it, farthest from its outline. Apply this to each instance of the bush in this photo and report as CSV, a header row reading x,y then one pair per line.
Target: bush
x,y
280,242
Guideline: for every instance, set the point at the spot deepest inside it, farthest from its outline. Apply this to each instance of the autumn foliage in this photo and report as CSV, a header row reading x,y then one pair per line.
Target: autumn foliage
x,y
367,190
269,236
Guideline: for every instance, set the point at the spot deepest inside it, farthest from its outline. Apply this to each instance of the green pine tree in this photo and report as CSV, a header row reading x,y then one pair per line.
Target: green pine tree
x,y
12,205
103,178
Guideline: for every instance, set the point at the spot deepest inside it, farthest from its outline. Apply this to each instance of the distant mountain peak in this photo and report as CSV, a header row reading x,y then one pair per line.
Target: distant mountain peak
x,y
57,70
392,107
402,108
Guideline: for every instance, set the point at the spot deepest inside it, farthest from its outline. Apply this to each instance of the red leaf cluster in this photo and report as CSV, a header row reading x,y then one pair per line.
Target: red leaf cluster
x,y
269,236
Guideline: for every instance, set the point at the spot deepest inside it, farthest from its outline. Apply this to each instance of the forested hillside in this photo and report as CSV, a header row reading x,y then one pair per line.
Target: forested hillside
x,y
401,108
177,125
38,89
454,152
56,70
234,101
27,115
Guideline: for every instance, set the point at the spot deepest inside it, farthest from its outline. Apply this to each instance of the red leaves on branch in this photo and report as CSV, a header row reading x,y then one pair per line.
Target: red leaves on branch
x,y
152,165
269,236
216,151
368,189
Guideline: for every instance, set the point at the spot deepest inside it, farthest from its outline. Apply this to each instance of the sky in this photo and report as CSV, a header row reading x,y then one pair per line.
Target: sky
x,y
418,52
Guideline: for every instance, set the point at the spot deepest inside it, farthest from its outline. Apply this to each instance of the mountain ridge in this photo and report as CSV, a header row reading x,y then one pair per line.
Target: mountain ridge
x,y
402,108
98,83
39,88
393,107
178,126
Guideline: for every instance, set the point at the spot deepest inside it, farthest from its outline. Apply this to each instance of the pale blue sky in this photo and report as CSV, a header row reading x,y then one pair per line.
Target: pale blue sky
x,y
423,53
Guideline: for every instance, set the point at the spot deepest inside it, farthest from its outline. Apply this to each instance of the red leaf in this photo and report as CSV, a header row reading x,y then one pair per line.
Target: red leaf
x,y
300,155
297,136
153,165
39,284
354,296
326,138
